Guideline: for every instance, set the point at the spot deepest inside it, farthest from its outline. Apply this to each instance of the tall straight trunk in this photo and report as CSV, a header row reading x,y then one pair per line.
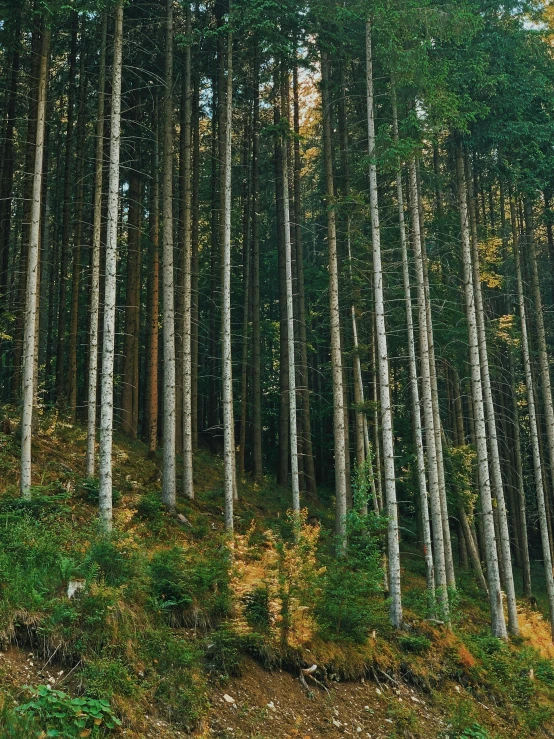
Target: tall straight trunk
x,y
414,388
534,432
426,388
30,325
129,396
334,307
437,424
229,475
494,454
29,164
8,159
304,389
544,364
169,429
383,357
293,435
246,291
95,258
152,355
66,214
110,283
71,380
256,339
498,624
284,407
195,238
186,133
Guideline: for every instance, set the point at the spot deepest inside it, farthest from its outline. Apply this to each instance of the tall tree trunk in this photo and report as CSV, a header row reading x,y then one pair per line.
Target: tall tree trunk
x,y
494,454
246,289
129,396
169,429
544,365
414,389
229,478
66,214
195,238
534,433
256,340
307,445
110,283
95,266
8,159
186,133
498,624
152,353
383,357
334,306
290,337
71,381
30,325
426,386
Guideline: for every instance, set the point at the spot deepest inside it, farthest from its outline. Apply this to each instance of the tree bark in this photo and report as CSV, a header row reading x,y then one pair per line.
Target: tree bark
x,y
498,625
495,466
534,433
334,308
110,284
383,357
95,259
29,347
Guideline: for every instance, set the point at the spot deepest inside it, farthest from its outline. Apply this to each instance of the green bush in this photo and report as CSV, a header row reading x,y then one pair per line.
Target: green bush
x,y
15,726
191,587
150,509
415,644
350,581
88,489
113,561
63,716
105,677
256,608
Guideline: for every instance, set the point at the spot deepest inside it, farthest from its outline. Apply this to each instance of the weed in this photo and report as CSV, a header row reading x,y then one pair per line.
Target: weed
x,y
415,644
63,716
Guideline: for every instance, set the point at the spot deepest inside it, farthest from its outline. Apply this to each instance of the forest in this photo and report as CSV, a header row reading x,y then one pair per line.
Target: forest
x,y
276,347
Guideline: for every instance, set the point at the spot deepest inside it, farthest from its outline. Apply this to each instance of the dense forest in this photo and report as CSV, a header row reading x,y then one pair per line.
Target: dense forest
x,y
313,240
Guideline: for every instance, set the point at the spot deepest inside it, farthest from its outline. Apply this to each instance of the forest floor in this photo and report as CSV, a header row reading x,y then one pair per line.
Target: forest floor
x,y
165,630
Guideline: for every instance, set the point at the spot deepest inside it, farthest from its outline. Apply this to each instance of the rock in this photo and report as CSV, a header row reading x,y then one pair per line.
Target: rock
x,y
337,723
228,699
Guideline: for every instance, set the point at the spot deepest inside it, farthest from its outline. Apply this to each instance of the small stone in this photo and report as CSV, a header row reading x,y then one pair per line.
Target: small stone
x,y
228,699
337,723
378,691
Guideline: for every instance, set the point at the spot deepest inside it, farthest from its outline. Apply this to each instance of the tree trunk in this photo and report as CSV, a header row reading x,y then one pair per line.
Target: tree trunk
x,y
496,474
426,386
414,389
152,353
334,307
498,625
110,283
383,357
95,266
169,474
256,369
534,433
66,215
188,482
29,347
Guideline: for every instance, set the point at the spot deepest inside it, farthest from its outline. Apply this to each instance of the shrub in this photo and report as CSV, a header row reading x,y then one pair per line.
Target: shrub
x,y
150,509
88,489
350,581
256,608
415,644
191,587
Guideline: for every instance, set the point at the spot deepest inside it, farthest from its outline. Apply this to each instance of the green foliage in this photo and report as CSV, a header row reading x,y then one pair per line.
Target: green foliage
x,y
351,580
189,586
112,560
415,644
475,731
13,725
256,608
63,716
150,509
105,677
88,488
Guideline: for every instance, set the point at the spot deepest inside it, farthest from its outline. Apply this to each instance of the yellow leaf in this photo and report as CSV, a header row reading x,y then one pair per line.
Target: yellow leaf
x,y
86,732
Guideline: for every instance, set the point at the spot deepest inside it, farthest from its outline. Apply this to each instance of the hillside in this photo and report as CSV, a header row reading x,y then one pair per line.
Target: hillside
x,y
183,632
